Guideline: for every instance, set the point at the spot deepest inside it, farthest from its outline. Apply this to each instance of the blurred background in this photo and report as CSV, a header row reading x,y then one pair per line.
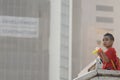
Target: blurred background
x,y
53,39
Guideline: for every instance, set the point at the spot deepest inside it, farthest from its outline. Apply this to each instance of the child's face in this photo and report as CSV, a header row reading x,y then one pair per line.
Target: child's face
x,y
107,42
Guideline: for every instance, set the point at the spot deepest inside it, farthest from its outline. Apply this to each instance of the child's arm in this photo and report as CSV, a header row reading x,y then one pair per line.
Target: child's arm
x,y
103,56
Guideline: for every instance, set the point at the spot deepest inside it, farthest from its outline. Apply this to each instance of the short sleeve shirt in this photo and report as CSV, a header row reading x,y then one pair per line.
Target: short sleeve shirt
x,y
111,54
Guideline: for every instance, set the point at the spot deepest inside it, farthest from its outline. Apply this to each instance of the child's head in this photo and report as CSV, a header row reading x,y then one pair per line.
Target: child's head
x,y
108,40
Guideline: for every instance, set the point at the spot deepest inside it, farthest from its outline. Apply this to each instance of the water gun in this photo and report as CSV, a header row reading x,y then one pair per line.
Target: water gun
x,y
97,50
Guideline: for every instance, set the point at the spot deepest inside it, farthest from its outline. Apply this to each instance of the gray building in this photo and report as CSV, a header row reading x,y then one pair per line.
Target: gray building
x,y
24,35
35,40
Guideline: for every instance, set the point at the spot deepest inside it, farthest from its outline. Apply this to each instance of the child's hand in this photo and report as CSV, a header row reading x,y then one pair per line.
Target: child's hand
x,y
97,50
100,50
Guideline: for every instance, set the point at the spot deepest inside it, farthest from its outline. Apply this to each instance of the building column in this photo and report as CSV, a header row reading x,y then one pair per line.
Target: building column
x,y
54,40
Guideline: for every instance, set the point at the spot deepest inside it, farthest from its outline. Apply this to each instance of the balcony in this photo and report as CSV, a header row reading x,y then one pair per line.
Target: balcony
x,y
94,72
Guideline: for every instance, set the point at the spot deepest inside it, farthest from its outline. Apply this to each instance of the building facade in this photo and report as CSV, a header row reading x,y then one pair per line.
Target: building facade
x,y
24,39
35,39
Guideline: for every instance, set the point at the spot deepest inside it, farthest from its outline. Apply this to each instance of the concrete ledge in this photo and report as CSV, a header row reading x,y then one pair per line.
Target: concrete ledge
x,y
100,74
112,73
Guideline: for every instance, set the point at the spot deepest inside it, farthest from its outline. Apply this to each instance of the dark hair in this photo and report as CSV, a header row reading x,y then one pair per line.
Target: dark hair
x,y
109,35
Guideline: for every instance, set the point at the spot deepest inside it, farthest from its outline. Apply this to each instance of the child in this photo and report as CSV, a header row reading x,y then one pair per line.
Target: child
x,y
109,56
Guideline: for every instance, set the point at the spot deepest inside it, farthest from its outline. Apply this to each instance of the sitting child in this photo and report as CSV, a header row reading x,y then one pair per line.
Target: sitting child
x,y
109,56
